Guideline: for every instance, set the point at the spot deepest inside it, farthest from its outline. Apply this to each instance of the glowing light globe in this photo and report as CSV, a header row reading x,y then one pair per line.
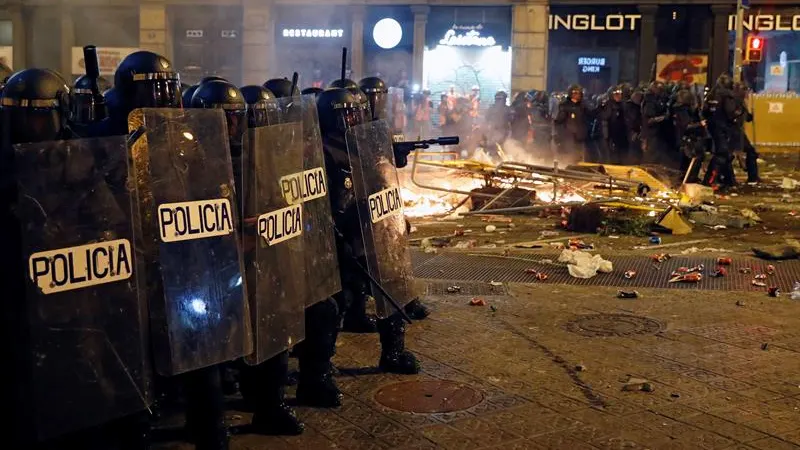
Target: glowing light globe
x,y
387,33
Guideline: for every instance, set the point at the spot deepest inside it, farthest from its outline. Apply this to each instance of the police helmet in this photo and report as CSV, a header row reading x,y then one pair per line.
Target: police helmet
x,y
725,81
188,92
212,78
260,101
83,108
656,87
312,90
35,106
376,92
281,87
226,96
684,97
147,79
339,110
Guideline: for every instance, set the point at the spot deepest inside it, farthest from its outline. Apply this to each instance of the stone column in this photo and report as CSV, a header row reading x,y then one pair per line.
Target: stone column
x,y
258,42
154,28
19,37
529,46
67,41
647,42
356,49
719,61
420,24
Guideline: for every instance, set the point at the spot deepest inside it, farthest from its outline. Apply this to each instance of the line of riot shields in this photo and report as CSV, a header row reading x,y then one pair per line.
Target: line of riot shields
x,y
143,257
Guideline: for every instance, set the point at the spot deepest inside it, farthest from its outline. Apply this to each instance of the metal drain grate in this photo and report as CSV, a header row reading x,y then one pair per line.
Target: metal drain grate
x,y
456,266
466,288
428,397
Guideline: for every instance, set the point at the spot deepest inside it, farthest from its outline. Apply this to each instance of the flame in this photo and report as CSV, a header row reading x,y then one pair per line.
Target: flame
x,y
421,205
547,197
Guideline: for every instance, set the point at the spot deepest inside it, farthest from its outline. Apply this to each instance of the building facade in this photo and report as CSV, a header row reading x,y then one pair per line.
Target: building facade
x,y
436,44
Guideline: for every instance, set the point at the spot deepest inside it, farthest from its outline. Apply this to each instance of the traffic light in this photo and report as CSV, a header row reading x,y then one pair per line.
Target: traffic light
x,y
755,47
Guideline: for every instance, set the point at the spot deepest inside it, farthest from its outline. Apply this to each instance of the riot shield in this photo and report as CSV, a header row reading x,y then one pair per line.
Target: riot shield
x,y
184,177
380,211
81,328
322,263
274,228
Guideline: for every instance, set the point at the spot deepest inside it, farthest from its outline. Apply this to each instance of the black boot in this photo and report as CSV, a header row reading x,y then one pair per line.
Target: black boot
x,y
205,416
416,310
263,389
353,303
315,386
394,357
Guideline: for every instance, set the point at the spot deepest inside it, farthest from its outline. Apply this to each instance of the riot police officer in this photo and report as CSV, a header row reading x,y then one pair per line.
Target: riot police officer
x,y
281,87
46,378
722,111
739,140
312,90
572,122
339,110
632,109
655,126
377,96
186,94
612,123
690,133
258,99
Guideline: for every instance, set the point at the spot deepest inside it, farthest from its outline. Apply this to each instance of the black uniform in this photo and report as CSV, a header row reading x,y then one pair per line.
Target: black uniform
x,y
723,111
613,128
739,140
690,133
498,120
655,126
632,110
572,125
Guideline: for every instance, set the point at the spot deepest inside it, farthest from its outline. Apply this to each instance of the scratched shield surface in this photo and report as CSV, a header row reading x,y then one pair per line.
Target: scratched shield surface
x,y
383,226
322,263
80,322
274,255
186,197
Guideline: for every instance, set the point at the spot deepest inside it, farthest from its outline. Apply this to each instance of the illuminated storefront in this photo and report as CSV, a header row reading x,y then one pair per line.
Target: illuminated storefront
x,y
592,46
309,40
779,30
467,47
207,41
389,44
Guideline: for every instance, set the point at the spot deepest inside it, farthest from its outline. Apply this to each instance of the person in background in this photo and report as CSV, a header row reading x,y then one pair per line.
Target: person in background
x,y
422,115
572,124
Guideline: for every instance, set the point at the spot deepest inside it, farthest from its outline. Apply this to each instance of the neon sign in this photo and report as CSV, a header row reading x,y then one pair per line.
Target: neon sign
x,y
312,33
591,65
471,38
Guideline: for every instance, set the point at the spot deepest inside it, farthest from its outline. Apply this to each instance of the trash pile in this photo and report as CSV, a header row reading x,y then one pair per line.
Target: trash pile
x,y
584,265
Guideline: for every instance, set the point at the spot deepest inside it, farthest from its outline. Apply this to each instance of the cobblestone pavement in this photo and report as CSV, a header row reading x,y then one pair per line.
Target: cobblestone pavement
x,y
724,375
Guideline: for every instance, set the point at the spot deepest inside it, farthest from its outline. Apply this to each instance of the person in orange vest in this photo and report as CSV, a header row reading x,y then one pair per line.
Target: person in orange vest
x,y
475,103
422,115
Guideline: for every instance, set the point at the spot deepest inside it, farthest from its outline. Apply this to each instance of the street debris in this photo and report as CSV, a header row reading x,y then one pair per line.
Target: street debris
x,y
476,301
495,283
675,395
453,289
580,368
660,257
758,283
630,274
795,294
584,265
692,277
740,303
773,291
630,294
724,261
719,273
541,276
490,228
655,240
638,384
764,346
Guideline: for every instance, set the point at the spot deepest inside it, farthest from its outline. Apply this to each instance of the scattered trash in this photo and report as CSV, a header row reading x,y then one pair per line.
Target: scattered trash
x,y
789,183
489,246
692,250
740,303
580,368
495,283
539,275
684,270
490,228
630,274
764,346
613,237
413,230
638,384
584,265
773,291
724,261
465,244
795,294
660,257
624,294
745,270
770,269
477,302
655,240
458,233
750,214
493,308
760,276
720,272
548,233
453,289
758,283
580,245
557,245
692,277
675,395
719,227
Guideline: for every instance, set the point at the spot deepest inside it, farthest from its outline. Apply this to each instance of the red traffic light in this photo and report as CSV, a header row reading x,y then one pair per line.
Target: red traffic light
x,y
756,43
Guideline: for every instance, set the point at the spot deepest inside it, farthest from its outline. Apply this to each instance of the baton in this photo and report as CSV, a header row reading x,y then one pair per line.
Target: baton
x,y
383,291
133,137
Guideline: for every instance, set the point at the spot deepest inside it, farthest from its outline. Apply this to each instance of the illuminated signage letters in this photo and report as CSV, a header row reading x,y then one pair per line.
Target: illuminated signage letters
x,y
591,65
471,38
312,33
767,22
593,22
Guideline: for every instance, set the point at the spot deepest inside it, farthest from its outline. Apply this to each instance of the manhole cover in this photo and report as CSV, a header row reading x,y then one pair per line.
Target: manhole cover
x,y
613,325
428,396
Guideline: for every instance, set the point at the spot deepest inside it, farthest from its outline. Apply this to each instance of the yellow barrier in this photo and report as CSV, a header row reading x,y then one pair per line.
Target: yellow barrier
x,y
776,120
